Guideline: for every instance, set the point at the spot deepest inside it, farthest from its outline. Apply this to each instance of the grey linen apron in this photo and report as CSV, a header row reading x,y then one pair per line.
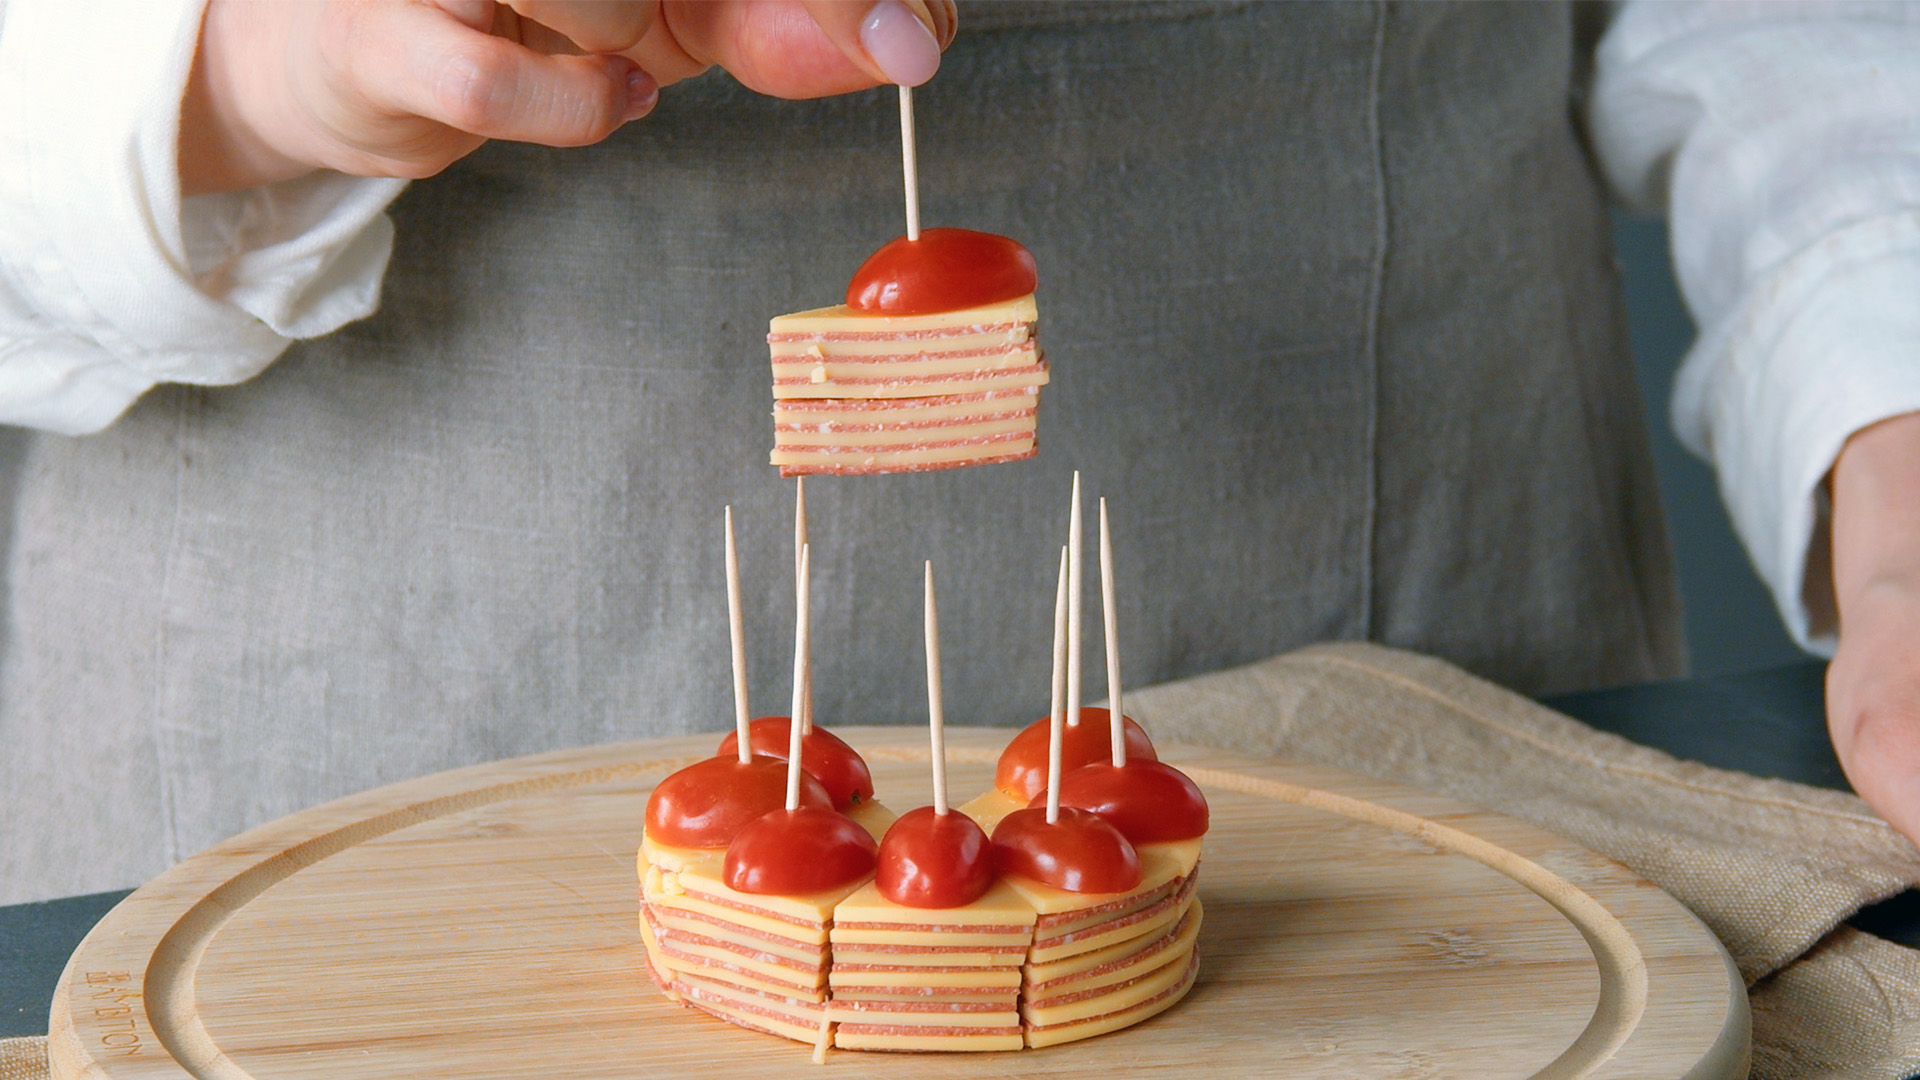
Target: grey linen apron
x,y
1334,323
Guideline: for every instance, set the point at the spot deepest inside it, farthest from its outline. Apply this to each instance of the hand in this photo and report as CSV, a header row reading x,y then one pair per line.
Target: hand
x,y
1873,685
407,87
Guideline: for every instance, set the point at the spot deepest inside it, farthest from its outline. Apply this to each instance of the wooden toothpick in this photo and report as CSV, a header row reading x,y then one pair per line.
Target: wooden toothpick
x,y
936,712
1056,713
909,163
1073,606
805,715
799,682
736,627
1112,627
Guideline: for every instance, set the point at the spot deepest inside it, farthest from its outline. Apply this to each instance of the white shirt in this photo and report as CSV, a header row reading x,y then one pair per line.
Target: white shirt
x,y
1784,137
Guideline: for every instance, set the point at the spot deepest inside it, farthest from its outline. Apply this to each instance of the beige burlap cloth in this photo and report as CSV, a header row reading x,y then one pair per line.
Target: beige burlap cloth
x,y
1773,868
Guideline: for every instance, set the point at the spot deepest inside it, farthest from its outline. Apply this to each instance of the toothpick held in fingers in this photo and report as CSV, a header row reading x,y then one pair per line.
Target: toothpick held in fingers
x,y
737,628
910,163
805,715
799,682
1074,573
1112,626
936,712
1056,712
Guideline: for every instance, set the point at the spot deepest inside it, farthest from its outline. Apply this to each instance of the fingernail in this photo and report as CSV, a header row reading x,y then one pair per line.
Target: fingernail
x,y
900,44
642,94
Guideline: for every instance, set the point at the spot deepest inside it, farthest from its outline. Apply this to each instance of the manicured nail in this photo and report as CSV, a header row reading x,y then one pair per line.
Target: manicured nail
x,y
900,44
642,94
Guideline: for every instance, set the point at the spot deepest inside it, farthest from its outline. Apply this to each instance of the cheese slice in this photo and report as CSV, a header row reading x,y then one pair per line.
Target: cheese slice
x,y
988,807
860,1039
1000,909
1184,853
873,816
822,415
840,324
971,979
1151,920
852,957
687,923
1063,975
703,882
675,859
1158,869
854,461
886,437
682,970
816,935
1054,1035
770,1021
922,1014
1001,996
1178,942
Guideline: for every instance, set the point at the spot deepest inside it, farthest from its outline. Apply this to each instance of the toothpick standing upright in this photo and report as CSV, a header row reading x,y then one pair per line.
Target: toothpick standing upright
x,y
799,684
736,627
909,163
936,712
1111,619
805,715
1074,590
1056,713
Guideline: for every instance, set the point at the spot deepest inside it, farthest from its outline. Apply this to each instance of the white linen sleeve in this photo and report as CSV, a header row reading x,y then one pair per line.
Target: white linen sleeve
x,y
110,281
1784,139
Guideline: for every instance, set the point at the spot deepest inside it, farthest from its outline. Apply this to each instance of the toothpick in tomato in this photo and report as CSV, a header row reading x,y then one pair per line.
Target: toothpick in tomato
x,y
1082,852
1150,802
706,804
823,754
1022,772
796,852
933,860
944,270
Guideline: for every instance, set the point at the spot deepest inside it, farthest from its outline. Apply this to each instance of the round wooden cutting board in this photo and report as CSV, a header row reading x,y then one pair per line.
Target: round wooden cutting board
x,y
481,923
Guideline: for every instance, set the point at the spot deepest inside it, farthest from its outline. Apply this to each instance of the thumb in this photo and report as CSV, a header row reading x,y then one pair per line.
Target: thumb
x,y
895,41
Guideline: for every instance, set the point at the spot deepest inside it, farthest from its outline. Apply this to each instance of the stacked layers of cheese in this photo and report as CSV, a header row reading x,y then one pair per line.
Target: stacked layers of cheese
x,y
1101,963
1026,965
754,960
915,979
858,393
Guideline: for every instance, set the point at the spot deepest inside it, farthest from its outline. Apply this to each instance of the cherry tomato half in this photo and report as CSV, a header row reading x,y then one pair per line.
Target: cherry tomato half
x,y
930,860
794,852
944,270
1150,802
705,804
822,753
1022,772
1081,852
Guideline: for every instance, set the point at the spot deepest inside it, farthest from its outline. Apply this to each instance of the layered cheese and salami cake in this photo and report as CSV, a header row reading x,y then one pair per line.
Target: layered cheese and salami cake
x,y
1025,965
856,392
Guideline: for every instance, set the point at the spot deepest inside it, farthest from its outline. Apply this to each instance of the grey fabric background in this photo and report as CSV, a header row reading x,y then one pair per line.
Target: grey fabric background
x,y
1333,318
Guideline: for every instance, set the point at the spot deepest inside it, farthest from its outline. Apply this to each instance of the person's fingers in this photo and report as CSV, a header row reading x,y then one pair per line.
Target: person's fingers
x,y
1873,702
661,55
595,26
424,63
779,47
896,41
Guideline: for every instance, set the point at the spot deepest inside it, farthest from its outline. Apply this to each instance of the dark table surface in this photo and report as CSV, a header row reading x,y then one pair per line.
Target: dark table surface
x,y
1769,723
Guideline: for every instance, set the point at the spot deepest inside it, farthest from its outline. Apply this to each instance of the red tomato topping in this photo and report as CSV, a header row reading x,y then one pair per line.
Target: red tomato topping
x,y
705,804
1023,764
1150,802
944,270
822,754
794,852
930,860
1081,852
